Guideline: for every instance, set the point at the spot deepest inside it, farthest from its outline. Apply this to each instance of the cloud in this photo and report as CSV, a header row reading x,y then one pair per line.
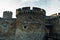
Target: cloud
x,y
7,5
32,2
51,6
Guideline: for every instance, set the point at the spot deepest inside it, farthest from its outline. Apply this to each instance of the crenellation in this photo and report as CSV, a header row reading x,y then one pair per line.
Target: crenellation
x,y
28,11
7,14
36,9
26,8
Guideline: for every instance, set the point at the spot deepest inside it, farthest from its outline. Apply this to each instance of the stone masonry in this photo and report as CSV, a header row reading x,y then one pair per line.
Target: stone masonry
x,y
29,25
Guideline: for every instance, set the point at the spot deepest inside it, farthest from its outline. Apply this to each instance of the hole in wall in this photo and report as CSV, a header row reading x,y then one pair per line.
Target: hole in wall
x,y
25,27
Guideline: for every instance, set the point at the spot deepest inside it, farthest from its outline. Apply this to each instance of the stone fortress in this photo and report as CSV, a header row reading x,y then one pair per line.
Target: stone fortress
x,y
29,25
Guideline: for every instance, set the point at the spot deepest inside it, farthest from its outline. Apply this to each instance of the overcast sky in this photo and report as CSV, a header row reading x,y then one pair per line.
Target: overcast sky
x,y
51,6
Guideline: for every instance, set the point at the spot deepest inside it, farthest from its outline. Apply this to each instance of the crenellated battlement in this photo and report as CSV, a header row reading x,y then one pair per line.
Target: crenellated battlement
x,y
7,14
27,10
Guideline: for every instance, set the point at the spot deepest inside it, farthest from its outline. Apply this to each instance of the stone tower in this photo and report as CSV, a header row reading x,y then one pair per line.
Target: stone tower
x,y
7,26
7,14
30,23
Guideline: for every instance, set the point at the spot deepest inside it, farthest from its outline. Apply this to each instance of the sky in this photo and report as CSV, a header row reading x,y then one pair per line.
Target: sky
x,y
51,6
